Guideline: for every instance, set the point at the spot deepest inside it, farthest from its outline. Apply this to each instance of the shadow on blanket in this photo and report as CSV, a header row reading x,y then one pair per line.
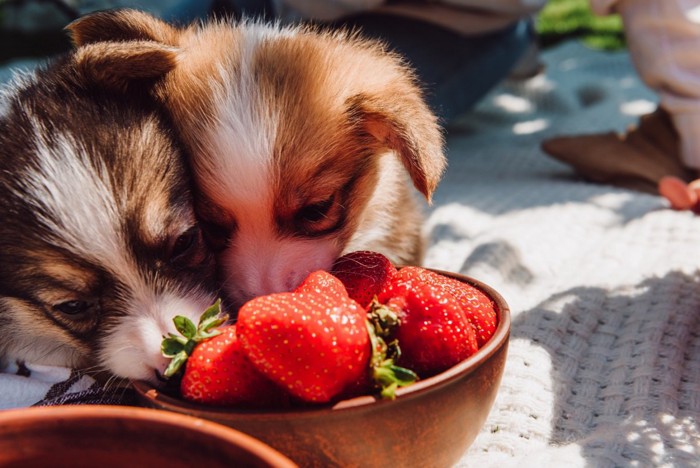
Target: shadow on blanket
x,y
621,366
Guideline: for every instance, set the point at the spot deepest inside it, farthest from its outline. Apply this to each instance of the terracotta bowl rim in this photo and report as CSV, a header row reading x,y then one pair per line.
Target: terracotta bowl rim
x,y
95,412
498,340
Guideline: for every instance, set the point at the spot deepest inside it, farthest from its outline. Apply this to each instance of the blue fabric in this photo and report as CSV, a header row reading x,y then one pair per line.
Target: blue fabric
x,y
186,11
456,70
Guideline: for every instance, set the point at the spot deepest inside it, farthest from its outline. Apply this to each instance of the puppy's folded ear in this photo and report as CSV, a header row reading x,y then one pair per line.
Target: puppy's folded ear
x,y
119,26
400,120
119,47
118,65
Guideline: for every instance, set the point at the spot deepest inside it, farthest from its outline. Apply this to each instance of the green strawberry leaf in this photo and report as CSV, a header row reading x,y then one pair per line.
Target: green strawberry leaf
x,y
185,326
390,373
179,338
389,377
212,318
175,365
210,334
389,392
403,375
170,347
212,322
386,375
180,347
211,312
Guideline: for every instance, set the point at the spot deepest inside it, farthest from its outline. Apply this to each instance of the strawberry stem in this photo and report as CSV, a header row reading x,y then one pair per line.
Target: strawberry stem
x,y
383,318
387,376
180,347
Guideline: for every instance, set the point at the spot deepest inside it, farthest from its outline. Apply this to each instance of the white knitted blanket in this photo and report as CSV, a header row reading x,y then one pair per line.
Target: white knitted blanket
x,y
604,360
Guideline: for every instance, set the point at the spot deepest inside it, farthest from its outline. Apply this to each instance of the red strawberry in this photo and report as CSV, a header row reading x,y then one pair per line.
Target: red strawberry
x,y
382,375
314,345
322,282
216,370
433,332
478,308
364,274
218,373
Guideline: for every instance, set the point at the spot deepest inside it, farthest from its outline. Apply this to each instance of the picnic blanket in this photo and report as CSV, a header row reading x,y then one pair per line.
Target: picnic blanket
x,y
604,286
604,360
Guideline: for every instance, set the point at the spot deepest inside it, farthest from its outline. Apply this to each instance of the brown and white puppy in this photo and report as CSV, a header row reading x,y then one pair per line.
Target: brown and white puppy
x,y
304,143
99,244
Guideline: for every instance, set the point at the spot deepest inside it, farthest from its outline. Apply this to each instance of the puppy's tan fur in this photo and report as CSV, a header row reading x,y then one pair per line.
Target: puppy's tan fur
x,y
292,134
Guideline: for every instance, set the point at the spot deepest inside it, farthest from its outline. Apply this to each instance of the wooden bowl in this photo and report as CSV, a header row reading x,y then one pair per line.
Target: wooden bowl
x,y
430,423
117,436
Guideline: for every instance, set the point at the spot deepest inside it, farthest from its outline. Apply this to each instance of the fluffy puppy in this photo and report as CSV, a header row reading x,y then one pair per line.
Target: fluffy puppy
x,y
304,143
99,244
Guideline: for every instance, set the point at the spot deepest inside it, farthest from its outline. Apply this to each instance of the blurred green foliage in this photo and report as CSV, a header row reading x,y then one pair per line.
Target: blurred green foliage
x,y
565,19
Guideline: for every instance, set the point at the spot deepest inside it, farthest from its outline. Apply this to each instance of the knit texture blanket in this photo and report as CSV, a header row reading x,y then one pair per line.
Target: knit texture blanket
x,y
603,367
604,360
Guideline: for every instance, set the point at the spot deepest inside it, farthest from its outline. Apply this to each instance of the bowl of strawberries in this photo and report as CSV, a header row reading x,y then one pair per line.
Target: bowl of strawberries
x,y
364,365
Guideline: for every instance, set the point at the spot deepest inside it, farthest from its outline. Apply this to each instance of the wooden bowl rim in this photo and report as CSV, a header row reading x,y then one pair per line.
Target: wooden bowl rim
x,y
33,416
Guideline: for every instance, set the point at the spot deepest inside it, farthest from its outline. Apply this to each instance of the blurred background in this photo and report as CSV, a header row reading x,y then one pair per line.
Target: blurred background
x,y
31,30
34,28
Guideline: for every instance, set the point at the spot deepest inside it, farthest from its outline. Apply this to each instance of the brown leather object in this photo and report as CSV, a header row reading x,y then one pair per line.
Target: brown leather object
x,y
635,160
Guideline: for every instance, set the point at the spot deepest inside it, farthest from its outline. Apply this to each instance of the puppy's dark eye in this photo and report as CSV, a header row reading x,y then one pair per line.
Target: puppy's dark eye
x,y
216,236
184,242
315,212
72,308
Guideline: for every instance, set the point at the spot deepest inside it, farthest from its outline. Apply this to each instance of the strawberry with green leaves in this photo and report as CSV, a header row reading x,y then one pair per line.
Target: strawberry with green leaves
x,y
312,344
315,342
432,331
476,305
216,371
219,373
364,274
